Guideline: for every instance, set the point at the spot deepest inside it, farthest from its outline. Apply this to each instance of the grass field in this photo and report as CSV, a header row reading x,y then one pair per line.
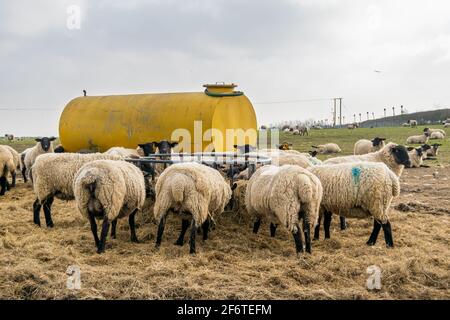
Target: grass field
x,y
234,263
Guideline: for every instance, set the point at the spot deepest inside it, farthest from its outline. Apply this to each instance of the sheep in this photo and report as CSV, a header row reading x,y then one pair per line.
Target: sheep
x,y
419,139
406,124
437,135
364,146
447,125
413,123
110,190
16,161
352,126
433,151
416,157
430,130
238,199
284,146
304,130
43,145
52,175
393,155
358,190
6,166
327,148
285,195
123,152
193,191
59,149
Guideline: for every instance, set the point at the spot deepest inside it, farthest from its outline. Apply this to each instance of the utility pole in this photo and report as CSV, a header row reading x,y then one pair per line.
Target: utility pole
x,y
373,116
367,115
354,117
385,112
393,111
360,118
340,111
334,112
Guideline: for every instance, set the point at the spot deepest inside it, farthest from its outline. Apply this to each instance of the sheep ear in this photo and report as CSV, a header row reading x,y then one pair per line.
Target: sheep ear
x,y
52,139
38,139
410,148
173,144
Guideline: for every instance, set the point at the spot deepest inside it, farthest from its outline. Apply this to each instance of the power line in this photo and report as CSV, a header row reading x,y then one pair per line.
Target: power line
x,y
28,109
294,101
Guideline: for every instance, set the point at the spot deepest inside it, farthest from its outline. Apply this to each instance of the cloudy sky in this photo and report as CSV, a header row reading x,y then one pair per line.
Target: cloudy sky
x,y
277,51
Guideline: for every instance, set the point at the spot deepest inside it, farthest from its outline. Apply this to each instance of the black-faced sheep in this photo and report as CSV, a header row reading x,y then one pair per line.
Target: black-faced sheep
x,y
43,145
358,190
110,190
52,175
419,139
285,195
364,146
193,191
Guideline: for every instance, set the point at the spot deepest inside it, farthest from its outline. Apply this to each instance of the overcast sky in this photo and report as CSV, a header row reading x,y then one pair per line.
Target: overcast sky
x,y
274,50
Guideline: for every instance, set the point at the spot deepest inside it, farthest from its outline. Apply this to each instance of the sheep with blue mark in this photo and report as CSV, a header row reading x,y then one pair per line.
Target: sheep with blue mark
x,y
357,190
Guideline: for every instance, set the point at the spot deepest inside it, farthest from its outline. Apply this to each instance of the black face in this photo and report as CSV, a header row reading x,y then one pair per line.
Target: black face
x,y
148,148
419,152
45,142
426,129
425,147
313,153
401,155
246,148
165,147
436,145
377,141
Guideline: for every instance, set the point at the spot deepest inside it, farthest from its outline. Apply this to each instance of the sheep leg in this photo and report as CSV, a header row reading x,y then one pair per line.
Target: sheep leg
x,y
298,240
317,228
273,229
205,227
327,224
374,235
36,210
94,229
387,230
24,175
113,228
3,184
161,225
307,233
343,223
13,182
47,211
184,227
256,225
134,237
104,233
192,239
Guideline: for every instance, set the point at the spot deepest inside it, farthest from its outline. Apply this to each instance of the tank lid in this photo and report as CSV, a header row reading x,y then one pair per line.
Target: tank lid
x,y
221,89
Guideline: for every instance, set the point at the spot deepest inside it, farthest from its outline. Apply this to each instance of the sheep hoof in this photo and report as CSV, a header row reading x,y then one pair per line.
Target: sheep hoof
x,y
179,243
192,252
133,239
100,251
390,245
50,225
370,243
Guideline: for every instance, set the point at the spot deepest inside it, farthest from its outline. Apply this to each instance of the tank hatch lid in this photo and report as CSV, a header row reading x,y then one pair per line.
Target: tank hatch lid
x,y
221,89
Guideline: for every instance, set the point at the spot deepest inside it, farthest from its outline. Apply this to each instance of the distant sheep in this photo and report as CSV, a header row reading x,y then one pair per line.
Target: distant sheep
x,y
430,131
296,132
364,146
419,139
43,145
285,195
413,123
328,148
433,151
194,191
7,166
447,125
16,161
53,174
110,190
358,190
437,135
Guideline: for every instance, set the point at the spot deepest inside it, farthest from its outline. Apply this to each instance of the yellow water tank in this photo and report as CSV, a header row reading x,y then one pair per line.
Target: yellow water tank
x,y
101,122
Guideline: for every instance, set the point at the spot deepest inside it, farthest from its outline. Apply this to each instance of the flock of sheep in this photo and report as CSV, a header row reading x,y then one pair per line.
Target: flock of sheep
x,y
297,191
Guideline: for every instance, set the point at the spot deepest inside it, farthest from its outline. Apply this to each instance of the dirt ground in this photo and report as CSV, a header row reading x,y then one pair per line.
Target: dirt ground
x,y
234,263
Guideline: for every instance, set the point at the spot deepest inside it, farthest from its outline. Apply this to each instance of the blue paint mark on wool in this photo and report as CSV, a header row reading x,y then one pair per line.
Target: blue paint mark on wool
x,y
356,174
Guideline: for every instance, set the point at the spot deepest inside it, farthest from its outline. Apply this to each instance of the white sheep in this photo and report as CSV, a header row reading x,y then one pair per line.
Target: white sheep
x,y
296,132
431,130
328,148
447,125
110,190
52,175
16,160
433,151
23,168
123,152
194,191
437,135
285,195
43,145
419,139
416,156
7,166
358,190
365,146
393,155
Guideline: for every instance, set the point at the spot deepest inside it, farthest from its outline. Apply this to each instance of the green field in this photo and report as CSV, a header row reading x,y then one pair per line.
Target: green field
x,y
346,139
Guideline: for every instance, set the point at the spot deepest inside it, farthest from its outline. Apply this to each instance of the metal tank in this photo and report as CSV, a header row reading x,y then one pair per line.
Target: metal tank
x,y
100,122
